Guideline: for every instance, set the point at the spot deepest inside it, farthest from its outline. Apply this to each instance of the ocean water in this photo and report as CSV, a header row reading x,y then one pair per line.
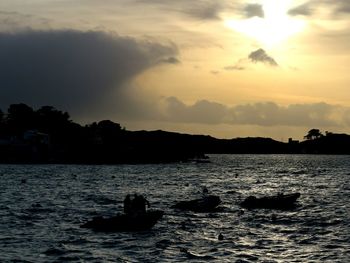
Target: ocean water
x,y
42,207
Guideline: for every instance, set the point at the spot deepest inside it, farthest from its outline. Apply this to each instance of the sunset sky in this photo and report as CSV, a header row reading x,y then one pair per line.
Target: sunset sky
x,y
271,68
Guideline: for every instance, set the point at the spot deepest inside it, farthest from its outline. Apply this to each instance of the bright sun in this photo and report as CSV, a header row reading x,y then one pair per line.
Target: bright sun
x,y
274,28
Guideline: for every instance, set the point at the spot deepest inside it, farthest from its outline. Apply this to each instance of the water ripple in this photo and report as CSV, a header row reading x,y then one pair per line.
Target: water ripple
x,y
42,207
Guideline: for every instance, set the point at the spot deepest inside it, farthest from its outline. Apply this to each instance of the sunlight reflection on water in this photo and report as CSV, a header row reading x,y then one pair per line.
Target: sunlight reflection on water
x,y
42,207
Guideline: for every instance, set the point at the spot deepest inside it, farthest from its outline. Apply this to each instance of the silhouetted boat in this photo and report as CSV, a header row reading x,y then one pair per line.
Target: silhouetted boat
x,y
206,204
125,222
200,160
280,201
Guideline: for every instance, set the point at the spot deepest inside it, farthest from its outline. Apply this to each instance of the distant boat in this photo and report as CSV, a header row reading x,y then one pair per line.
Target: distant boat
x,y
200,161
280,201
206,204
124,223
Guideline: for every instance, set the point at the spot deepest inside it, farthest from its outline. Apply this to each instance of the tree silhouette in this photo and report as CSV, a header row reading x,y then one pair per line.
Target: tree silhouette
x,y
51,119
313,134
20,117
107,130
2,123
1,116
109,126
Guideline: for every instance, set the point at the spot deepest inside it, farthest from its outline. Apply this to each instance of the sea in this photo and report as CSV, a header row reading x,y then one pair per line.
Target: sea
x,y
43,206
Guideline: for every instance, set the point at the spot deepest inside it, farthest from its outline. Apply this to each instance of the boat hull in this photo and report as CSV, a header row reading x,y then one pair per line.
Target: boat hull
x,y
127,223
206,204
272,202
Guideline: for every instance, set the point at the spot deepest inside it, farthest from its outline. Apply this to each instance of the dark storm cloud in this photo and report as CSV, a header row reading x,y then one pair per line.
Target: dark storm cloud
x,y
260,56
74,70
262,114
252,10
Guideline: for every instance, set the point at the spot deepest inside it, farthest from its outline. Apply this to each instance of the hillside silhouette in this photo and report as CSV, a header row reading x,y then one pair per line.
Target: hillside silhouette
x,y
48,135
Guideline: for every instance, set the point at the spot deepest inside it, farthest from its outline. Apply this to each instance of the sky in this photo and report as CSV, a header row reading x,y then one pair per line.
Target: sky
x,y
224,68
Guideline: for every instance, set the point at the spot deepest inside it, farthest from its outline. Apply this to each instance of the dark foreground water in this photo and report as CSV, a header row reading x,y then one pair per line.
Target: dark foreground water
x,y
41,208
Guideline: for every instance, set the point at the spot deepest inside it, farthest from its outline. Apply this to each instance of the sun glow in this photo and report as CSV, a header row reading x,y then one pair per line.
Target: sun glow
x,y
272,29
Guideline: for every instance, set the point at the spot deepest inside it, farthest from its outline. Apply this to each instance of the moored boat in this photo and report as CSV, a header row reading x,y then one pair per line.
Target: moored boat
x,y
280,201
206,204
125,222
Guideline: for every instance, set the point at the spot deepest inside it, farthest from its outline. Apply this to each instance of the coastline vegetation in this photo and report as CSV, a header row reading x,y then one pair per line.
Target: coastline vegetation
x,y
48,135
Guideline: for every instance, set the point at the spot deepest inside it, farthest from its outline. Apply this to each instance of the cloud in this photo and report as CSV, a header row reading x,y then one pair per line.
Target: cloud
x,y
78,71
309,8
328,19
347,117
304,10
271,114
260,56
234,67
202,111
253,10
171,60
199,9
265,114
343,7
14,20
205,10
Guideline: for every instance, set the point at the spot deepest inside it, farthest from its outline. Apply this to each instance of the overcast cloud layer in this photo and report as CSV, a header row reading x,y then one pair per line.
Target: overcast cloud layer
x,y
262,114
